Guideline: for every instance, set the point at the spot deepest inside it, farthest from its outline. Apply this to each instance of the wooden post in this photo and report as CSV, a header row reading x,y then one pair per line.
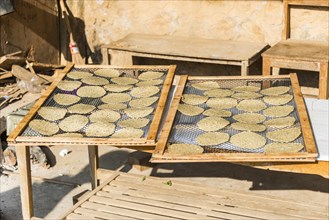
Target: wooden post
x,y
120,58
105,56
245,68
266,66
275,71
324,80
24,167
93,162
286,20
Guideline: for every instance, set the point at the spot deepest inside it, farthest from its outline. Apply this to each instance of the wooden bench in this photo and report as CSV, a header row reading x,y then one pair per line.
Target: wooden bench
x,y
300,54
121,53
129,196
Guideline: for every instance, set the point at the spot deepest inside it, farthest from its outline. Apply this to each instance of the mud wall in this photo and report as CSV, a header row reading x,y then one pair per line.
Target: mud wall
x,y
104,21
33,26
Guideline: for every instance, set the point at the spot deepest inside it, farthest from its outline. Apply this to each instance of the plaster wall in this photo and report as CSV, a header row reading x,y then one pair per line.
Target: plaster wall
x,y
105,21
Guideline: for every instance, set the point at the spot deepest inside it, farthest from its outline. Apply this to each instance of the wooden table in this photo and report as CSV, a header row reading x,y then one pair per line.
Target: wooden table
x,y
303,55
237,53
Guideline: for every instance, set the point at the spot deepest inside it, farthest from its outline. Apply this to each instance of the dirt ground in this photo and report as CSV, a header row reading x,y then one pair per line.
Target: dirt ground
x,y
72,171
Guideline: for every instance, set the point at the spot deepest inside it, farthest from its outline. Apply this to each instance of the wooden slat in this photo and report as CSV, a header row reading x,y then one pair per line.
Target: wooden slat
x,y
24,122
208,202
121,57
295,64
103,206
315,3
6,75
85,198
166,129
245,201
320,168
237,77
143,208
136,67
198,187
79,217
324,80
216,157
83,141
171,204
99,214
130,195
303,117
153,130
211,197
286,20
230,198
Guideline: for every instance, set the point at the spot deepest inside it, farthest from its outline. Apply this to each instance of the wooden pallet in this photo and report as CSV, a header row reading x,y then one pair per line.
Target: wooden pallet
x,y
129,196
161,154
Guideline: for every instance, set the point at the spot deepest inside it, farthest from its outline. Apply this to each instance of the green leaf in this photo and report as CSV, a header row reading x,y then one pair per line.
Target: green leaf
x,y
169,183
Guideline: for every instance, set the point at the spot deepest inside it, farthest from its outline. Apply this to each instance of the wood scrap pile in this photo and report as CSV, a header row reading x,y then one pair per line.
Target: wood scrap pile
x,y
10,93
19,76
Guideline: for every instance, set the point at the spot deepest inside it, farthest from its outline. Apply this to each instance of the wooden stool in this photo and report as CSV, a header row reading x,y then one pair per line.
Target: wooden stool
x,y
299,54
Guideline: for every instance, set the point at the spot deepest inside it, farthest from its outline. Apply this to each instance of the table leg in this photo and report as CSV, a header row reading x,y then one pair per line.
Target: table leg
x,y
245,68
266,66
24,167
275,71
93,162
120,58
324,81
105,56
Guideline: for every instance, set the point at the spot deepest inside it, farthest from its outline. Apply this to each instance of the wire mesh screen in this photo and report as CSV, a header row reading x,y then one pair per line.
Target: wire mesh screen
x,y
185,129
124,72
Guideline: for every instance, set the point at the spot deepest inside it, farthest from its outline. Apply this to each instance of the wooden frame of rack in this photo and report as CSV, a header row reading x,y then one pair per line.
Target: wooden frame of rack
x,y
160,155
22,143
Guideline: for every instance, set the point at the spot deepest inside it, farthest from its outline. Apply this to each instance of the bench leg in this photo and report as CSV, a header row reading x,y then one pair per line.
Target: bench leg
x,y
105,56
120,58
24,167
324,80
275,71
245,68
94,164
266,66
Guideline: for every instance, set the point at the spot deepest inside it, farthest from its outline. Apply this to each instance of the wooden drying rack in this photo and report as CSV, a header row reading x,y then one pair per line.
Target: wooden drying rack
x,y
161,155
138,143
22,143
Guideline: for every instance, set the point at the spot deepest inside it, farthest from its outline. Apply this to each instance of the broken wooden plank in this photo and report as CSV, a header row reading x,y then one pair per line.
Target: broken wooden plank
x,y
6,62
6,75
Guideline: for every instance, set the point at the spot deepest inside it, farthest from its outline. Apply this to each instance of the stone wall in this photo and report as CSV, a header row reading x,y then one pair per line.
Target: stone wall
x,y
105,21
